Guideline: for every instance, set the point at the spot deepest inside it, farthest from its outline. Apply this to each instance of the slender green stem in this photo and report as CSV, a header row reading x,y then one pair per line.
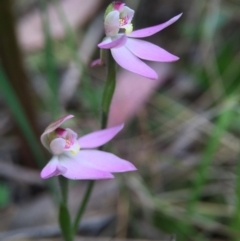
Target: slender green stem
x,y
108,89
106,101
83,206
64,215
63,182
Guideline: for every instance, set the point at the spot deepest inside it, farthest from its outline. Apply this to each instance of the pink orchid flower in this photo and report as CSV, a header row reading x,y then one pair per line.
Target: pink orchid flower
x,y
127,49
72,162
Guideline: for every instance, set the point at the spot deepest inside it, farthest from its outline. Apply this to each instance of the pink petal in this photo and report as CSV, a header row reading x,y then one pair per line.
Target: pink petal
x,y
57,146
129,61
53,168
149,51
109,43
105,161
98,138
145,32
78,169
53,126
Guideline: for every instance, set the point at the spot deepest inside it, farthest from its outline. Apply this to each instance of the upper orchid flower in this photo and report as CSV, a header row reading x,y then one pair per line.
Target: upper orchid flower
x,y
126,49
72,162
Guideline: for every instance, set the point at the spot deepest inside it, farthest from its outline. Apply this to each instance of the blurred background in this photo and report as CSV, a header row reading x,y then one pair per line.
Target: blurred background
x,y
182,131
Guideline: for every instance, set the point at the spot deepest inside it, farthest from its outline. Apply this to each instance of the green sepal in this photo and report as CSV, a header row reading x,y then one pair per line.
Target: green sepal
x,y
108,10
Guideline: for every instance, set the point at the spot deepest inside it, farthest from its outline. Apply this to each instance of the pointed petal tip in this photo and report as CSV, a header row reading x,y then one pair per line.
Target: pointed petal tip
x,y
120,126
133,168
43,176
122,165
153,76
174,58
66,117
178,16
50,169
129,168
174,19
109,176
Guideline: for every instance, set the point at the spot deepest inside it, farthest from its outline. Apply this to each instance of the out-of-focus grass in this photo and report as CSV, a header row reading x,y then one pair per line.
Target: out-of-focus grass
x,y
13,103
71,40
50,63
4,195
236,214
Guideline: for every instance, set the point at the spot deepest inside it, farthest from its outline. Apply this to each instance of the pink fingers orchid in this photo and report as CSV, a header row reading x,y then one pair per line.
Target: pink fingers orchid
x,y
127,50
72,162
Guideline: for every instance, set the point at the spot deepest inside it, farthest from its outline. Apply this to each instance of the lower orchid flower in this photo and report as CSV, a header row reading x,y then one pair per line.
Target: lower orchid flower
x,y
72,157
127,50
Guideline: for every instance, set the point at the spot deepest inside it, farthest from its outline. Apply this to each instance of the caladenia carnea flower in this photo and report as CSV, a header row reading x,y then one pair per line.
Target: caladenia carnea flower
x,y
126,48
72,157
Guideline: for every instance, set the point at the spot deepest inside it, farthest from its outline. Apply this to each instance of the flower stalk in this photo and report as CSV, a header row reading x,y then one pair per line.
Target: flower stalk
x,y
64,215
63,183
83,206
108,89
